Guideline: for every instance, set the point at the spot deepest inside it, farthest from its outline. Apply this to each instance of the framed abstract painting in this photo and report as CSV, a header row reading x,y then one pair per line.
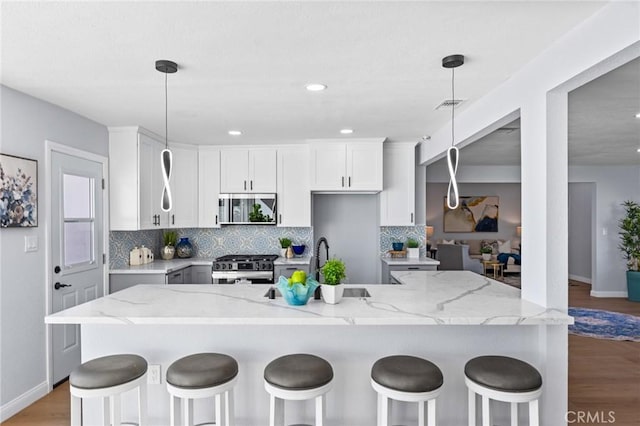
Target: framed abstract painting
x,y
474,214
18,192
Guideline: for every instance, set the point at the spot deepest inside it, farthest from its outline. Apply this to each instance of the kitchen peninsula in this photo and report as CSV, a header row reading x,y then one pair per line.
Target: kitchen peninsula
x,y
447,317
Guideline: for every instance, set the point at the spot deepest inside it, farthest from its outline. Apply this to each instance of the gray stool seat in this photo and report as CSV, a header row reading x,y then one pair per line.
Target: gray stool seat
x,y
407,374
503,373
108,371
298,372
202,370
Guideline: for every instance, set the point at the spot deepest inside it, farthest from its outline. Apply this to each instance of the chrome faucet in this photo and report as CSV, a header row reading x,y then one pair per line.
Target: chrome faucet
x,y
321,240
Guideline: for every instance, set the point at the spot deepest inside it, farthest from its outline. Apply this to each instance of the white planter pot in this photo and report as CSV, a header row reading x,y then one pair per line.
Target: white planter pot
x,y
283,252
486,256
413,253
332,294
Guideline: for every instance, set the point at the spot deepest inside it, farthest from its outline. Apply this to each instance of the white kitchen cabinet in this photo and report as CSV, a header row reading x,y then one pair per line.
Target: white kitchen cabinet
x,y
135,178
247,170
397,199
293,191
355,165
208,187
184,187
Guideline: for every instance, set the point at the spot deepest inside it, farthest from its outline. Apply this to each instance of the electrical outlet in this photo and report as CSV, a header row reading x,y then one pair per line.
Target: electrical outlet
x,y
153,374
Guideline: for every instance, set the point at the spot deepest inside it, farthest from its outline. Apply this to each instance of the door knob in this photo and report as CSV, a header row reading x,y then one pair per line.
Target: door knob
x,y
57,269
58,286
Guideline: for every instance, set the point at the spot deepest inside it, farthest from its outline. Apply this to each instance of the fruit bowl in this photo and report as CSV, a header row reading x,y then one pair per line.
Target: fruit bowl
x,y
297,293
298,250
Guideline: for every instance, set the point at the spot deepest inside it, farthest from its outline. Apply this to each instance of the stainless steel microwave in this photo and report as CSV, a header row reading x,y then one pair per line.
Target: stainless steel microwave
x,y
247,209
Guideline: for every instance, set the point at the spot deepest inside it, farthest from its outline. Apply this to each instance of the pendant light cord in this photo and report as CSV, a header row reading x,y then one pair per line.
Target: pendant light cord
x,y
453,104
166,114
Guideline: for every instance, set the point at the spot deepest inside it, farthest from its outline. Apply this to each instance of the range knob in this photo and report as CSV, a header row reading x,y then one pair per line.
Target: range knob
x,y
224,266
216,266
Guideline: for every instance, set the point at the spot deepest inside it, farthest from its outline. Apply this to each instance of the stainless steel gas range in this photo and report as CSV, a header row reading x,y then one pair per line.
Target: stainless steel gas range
x,y
231,269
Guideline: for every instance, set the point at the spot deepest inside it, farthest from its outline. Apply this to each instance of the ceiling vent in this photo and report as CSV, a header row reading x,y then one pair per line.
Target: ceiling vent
x,y
448,103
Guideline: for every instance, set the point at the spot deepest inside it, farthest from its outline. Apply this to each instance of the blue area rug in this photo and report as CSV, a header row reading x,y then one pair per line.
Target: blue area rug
x,y
604,324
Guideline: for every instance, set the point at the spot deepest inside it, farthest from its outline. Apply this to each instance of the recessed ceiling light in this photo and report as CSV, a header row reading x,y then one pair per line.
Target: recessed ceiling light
x,y
638,149
316,87
235,132
346,131
638,115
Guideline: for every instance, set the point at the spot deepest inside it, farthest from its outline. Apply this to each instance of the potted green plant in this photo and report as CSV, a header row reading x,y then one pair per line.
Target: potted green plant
x,y
630,247
285,243
333,271
413,248
486,252
169,238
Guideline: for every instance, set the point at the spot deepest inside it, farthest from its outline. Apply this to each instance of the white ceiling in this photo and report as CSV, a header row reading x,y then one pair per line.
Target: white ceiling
x,y
244,65
603,129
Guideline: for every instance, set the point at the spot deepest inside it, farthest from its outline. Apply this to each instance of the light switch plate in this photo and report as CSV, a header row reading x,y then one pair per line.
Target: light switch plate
x,y
30,243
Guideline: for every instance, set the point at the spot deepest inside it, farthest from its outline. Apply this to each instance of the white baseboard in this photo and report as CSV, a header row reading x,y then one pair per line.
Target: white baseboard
x,y
608,293
579,278
18,404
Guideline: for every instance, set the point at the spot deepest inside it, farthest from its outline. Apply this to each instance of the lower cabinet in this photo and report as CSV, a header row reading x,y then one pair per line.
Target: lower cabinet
x,y
287,270
197,274
119,282
387,269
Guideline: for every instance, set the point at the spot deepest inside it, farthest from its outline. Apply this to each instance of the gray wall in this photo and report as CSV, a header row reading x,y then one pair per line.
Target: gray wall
x,y
581,201
509,215
350,224
26,123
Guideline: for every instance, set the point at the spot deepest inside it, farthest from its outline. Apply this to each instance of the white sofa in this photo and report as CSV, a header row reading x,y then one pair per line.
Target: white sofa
x,y
497,245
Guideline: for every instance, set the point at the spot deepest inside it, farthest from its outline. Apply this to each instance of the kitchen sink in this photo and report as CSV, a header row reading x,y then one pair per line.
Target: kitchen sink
x,y
348,292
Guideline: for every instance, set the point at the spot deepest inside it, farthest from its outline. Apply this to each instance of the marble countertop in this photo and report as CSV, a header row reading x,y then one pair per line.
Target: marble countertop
x,y
424,298
406,261
159,266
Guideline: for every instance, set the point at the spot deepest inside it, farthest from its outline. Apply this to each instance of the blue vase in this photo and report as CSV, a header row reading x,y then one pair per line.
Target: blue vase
x,y
184,248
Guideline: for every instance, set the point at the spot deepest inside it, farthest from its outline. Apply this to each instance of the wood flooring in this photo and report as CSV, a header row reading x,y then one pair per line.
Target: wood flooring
x,y
604,377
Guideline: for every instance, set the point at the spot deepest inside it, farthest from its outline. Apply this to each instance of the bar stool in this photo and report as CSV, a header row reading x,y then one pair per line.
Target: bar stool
x,y
409,379
505,379
203,375
109,377
297,377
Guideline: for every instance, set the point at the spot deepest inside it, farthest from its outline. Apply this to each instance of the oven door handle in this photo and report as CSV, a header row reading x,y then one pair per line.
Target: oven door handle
x,y
236,275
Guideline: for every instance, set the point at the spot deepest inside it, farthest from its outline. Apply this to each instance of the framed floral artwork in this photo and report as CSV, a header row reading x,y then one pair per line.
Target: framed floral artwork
x,y
18,192
474,214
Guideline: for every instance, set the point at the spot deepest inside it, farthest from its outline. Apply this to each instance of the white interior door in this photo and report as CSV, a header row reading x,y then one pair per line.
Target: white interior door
x,y
76,249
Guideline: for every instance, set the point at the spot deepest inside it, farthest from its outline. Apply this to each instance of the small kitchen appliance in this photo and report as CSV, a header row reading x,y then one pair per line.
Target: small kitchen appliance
x,y
256,268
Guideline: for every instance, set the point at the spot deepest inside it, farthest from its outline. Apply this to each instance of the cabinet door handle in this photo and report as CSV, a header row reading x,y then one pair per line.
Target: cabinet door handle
x,y
280,217
349,181
343,181
173,219
413,268
216,219
176,275
155,221
411,217
245,185
251,184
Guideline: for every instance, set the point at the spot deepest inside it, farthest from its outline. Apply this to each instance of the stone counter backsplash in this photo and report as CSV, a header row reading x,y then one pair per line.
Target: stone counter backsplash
x,y
210,242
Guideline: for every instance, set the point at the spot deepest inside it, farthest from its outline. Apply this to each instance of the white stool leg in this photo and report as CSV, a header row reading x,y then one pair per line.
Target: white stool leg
x,y
187,411
115,409
514,414
421,405
432,412
320,410
534,418
486,413
142,404
76,411
173,405
218,403
472,408
106,410
229,408
276,417
384,412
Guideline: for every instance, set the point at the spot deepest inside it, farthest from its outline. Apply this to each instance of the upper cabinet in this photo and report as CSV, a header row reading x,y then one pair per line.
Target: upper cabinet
x,y
208,186
397,199
247,170
184,187
355,165
294,195
136,182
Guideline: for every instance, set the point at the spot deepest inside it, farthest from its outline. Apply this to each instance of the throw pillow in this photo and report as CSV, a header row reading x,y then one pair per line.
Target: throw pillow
x,y
504,247
448,241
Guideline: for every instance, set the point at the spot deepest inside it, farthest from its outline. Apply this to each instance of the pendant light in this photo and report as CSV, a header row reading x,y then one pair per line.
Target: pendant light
x,y
453,154
166,157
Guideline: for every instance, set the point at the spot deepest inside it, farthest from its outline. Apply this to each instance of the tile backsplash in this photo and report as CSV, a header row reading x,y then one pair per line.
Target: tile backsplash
x,y
390,234
210,242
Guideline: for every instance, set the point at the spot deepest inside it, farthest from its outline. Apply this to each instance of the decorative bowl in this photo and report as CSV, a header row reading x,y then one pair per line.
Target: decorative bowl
x,y
297,294
397,246
298,250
